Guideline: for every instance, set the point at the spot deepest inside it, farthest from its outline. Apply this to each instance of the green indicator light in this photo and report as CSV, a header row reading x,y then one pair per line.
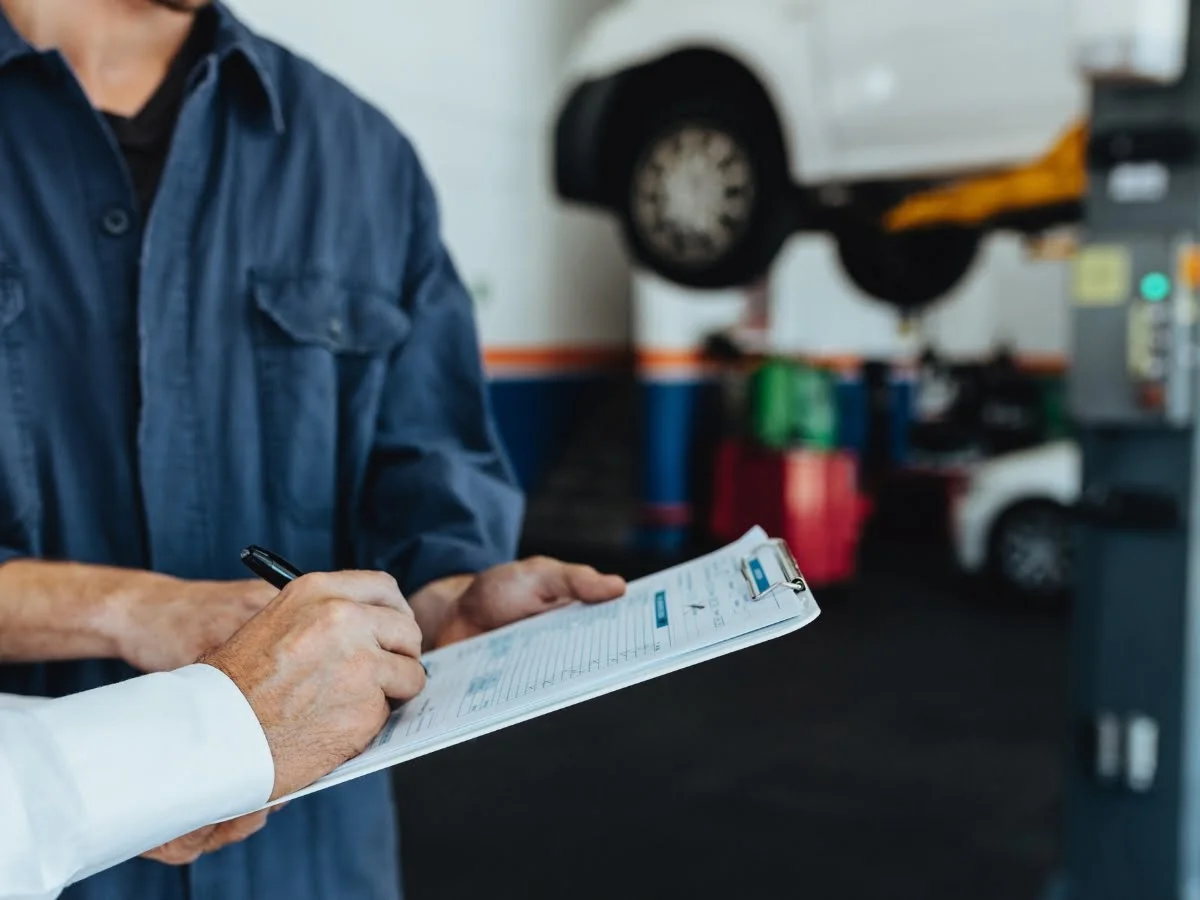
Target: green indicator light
x,y
1156,286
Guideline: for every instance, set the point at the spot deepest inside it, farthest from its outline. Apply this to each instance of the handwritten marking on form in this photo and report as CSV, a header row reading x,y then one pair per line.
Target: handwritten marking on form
x,y
665,621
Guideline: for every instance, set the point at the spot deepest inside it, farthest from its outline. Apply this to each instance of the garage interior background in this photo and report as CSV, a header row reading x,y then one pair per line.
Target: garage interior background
x,y
477,86
918,727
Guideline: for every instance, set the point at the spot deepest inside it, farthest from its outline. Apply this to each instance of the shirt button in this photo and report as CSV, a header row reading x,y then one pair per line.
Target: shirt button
x,y
335,328
115,222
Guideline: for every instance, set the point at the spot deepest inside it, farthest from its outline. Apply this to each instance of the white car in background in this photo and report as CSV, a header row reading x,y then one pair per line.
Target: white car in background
x,y
1011,519
715,128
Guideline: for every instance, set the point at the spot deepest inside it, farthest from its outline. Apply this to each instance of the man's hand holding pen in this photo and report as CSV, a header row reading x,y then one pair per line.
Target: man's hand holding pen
x,y
322,658
318,665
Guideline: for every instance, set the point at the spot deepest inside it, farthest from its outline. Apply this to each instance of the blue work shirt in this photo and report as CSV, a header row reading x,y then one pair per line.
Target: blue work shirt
x,y
281,354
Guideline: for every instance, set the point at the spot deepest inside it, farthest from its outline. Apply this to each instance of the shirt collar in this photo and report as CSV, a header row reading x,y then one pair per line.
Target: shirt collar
x,y
233,40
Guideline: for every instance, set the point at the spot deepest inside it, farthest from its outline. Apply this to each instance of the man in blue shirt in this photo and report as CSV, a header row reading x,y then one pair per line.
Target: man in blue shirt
x,y
227,317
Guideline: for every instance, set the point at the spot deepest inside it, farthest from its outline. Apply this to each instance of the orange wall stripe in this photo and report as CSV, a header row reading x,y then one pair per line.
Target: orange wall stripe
x,y
651,360
501,360
1043,363
554,358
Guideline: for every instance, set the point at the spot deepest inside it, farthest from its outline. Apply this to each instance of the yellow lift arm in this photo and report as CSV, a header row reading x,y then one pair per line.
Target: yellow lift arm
x,y
1059,177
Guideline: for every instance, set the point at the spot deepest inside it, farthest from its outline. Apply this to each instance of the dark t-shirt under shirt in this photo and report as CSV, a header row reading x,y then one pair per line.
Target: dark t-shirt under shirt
x,y
145,138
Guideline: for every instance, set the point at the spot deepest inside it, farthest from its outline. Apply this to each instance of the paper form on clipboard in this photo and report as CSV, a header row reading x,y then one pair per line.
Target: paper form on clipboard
x,y
743,594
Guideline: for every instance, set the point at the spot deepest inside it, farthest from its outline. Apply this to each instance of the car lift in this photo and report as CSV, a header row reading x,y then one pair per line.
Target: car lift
x,y
1133,784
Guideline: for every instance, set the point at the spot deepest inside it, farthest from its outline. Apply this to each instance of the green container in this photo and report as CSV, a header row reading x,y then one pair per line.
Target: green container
x,y
816,409
791,403
772,406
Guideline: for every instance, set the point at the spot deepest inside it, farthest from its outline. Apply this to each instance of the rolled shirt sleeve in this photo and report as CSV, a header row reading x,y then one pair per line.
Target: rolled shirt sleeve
x,y
95,778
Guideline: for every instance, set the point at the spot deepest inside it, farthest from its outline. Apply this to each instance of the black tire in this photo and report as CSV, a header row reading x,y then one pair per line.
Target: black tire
x,y
908,270
735,238
1030,552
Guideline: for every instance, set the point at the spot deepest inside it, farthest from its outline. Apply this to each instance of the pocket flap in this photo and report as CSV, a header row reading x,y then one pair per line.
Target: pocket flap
x,y
315,309
12,297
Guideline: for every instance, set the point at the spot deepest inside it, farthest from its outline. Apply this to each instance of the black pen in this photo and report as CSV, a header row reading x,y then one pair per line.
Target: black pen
x,y
274,570
277,572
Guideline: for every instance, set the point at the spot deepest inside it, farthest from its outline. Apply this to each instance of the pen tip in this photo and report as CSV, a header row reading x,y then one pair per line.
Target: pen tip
x,y
246,551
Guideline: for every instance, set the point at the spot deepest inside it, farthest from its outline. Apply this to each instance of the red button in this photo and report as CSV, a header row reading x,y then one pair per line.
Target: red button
x,y
1152,395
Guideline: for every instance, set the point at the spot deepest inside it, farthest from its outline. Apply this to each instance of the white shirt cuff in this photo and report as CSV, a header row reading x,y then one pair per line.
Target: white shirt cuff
x,y
113,772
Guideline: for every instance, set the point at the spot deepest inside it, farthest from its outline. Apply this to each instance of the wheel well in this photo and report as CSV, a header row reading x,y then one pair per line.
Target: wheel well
x,y
686,73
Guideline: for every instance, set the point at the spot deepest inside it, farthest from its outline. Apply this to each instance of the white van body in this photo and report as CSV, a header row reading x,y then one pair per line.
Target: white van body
x,y
874,89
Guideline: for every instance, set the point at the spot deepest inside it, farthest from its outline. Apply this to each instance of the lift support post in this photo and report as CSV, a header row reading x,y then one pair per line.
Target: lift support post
x,y
1133,784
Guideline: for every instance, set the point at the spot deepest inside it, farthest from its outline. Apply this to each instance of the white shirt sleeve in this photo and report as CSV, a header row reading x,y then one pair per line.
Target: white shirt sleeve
x,y
90,780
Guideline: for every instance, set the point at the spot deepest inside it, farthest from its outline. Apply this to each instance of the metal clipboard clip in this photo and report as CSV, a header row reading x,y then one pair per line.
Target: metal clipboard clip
x,y
787,564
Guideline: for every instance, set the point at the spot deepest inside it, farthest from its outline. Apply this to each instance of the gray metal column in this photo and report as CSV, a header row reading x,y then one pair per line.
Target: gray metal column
x,y
1133,789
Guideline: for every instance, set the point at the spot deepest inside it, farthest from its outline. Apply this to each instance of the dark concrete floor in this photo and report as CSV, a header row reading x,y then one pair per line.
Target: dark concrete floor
x,y
906,745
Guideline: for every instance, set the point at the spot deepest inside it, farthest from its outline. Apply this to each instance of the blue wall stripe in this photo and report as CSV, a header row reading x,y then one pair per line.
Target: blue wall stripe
x,y
536,415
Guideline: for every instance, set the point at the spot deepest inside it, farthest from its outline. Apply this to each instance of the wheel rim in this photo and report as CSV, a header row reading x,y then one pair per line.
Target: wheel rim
x,y
1034,552
693,194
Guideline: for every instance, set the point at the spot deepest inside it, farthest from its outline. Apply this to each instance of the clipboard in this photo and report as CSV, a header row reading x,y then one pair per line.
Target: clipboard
x,y
666,621
756,576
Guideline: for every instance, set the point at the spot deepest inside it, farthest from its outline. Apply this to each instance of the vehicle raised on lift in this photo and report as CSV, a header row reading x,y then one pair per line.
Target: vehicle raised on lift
x,y
715,129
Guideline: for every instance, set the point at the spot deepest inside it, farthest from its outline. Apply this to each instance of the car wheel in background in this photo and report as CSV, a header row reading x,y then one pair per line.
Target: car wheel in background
x,y
1030,551
908,270
707,198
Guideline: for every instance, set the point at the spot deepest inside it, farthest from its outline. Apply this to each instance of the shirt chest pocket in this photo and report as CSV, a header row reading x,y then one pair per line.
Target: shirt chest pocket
x,y
18,489
322,349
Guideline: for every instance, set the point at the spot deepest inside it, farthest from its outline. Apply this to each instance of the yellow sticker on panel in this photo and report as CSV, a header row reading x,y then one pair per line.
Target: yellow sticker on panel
x,y
1102,275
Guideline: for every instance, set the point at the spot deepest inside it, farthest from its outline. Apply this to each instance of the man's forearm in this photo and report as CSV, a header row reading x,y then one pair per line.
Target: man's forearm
x,y
433,605
62,610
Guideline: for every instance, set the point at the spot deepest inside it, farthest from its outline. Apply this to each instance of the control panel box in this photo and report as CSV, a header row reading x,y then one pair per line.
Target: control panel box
x,y
1134,313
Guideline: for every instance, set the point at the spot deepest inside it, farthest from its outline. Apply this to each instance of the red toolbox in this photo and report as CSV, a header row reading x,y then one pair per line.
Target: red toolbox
x,y
810,498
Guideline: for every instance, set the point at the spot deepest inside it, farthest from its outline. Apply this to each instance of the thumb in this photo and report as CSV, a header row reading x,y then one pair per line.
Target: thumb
x,y
559,579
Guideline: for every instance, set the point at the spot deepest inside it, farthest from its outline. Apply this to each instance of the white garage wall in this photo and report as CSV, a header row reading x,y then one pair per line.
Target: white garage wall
x,y
817,312
1033,312
1010,299
474,84
1007,298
